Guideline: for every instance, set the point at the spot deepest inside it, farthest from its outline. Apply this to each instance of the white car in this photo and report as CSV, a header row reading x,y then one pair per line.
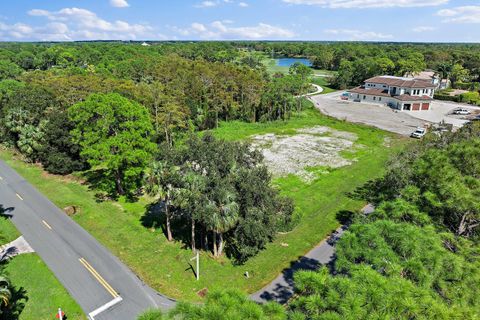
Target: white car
x,y
419,133
461,111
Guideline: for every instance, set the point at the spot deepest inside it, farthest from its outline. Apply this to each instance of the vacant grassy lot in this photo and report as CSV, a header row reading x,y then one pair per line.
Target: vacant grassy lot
x,y
45,294
165,266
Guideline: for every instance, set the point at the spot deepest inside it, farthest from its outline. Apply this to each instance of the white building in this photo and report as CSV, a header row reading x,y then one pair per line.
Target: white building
x,y
397,92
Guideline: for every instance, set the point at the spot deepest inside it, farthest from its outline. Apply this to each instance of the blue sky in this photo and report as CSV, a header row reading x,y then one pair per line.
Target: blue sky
x,y
369,20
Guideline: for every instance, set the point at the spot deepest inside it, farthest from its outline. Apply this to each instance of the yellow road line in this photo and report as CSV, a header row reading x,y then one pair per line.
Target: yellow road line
x,y
99,278
19,196
46,224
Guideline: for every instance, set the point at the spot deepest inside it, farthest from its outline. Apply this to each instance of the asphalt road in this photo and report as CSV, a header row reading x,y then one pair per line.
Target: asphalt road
x,y
92,275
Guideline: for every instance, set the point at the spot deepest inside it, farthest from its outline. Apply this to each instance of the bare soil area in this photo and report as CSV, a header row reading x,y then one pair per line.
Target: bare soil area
x,y
312,147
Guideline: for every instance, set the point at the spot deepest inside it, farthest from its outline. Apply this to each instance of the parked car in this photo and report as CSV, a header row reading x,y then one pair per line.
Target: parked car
x,y
419,133
461,111
344,96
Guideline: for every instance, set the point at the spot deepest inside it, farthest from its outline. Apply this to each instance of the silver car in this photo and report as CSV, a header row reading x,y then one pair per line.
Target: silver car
x,y
419,133
461,111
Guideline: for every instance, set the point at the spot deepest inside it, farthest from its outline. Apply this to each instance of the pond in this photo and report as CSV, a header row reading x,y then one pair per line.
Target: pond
x,y
287,62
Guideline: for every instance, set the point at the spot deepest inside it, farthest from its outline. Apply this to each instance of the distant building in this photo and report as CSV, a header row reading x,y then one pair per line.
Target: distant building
x,y
145,44
404,94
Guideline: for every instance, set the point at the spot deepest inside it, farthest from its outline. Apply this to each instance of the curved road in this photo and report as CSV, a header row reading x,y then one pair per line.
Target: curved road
x,y
101,284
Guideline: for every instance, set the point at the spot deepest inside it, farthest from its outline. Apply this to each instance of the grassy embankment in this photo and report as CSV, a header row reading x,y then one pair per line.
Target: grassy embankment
x,y
165,266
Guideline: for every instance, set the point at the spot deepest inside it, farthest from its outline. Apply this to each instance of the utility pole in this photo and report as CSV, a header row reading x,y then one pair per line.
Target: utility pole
x,y
197,257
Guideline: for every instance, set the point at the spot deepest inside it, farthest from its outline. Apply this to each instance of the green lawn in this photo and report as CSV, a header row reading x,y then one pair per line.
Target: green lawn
x,y
165,266
45,293
8,232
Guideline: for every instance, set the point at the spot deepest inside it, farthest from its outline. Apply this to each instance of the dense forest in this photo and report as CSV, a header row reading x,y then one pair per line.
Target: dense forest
x,y
133,121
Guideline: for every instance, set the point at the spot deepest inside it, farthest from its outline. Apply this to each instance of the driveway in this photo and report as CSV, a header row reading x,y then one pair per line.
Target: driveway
x,y
370,114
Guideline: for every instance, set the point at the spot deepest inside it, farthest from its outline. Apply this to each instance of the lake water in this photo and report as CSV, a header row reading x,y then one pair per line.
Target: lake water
x,y
287,62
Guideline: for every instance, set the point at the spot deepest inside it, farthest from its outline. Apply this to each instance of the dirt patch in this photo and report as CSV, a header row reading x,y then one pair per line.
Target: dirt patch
x,y
311,147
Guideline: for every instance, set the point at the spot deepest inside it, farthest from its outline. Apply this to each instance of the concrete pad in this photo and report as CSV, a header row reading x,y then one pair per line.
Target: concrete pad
x,y
14,248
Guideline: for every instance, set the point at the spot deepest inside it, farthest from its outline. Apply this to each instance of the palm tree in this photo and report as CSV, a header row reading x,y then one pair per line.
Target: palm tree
x,y
5,293
444,70
223,218
161,179
191,196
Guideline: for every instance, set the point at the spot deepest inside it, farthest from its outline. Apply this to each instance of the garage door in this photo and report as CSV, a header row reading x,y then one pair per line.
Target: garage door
x,y
416,107
425,106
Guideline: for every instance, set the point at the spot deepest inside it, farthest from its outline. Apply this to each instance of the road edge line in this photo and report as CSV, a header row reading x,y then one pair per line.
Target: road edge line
x,y
105,307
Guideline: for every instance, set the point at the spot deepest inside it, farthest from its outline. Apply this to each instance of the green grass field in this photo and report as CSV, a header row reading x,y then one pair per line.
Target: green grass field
x,y
165,266
8,232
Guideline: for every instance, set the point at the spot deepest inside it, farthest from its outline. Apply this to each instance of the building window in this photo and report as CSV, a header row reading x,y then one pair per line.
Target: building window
x,y
374,98
364,97
379,98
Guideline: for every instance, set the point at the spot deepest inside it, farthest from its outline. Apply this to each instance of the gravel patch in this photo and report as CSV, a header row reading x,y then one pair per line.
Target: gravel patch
x,y
311,147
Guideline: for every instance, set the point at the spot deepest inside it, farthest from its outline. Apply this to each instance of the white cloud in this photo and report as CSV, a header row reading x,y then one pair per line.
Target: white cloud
x,y
423,29
216,3
466,14
357,35
54,31
119,3
82,24
368,3
219,30
207,4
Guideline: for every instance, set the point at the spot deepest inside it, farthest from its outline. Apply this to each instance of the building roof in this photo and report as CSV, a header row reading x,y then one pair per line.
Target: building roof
x,y
372,92
424,75
407,97
401,82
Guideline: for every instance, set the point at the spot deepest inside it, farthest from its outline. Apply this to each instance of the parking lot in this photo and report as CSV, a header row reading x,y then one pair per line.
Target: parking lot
x,y
385,118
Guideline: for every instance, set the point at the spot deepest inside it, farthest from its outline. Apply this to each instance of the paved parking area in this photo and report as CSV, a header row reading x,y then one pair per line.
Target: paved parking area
x,y
385,118
370,114
442,111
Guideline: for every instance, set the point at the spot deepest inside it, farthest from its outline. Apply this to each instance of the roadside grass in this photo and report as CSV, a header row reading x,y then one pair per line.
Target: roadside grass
x,y
165,266
45,293
8,232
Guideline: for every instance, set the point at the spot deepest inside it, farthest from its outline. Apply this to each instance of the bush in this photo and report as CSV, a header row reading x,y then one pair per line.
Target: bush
x,y
470,97
445,97
472,86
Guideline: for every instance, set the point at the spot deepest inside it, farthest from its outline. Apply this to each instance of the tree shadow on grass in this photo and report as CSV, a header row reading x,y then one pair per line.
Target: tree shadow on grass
x,y
154,218
103,184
